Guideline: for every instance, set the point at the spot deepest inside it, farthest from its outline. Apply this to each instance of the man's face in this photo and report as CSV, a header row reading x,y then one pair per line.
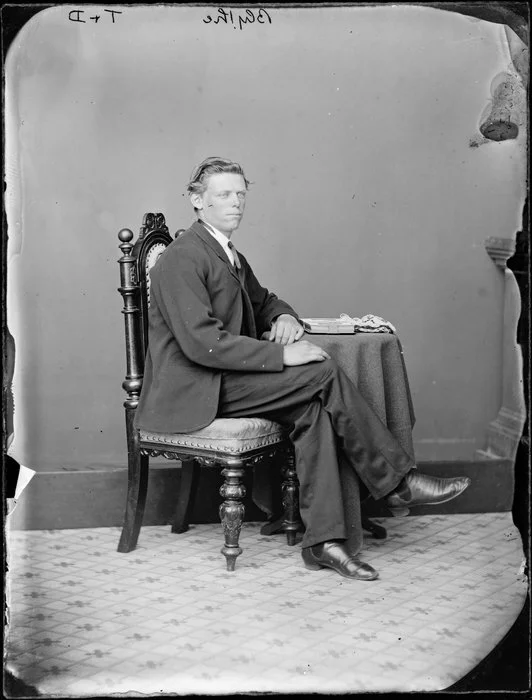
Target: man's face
x,y
223,202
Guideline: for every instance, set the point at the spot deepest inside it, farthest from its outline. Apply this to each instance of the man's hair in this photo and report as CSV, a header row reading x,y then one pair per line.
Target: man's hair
x,y
212,166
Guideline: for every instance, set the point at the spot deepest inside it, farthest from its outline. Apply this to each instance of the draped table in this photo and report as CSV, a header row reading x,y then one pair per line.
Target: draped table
x,y
375,364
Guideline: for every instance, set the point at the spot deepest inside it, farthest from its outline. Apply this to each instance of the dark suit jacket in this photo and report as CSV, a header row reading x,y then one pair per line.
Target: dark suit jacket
x,y
199,312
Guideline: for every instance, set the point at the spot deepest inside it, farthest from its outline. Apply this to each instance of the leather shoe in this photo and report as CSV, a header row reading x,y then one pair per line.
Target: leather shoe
x,y
422,490
333,555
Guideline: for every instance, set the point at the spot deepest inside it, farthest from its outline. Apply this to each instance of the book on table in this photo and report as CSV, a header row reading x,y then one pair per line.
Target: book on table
x,y
327,325
347,324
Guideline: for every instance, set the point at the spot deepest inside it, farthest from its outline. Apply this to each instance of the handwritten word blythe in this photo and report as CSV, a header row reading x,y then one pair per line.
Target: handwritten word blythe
x,y
238,20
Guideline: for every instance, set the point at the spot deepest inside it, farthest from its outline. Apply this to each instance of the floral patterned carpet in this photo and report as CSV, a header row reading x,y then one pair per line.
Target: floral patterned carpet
x,y
85,620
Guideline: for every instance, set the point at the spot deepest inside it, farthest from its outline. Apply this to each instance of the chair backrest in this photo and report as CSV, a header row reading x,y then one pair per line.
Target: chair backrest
x,y
135,265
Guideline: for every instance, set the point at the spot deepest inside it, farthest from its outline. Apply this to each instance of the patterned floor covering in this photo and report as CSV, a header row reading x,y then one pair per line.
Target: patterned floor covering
x,y
87,621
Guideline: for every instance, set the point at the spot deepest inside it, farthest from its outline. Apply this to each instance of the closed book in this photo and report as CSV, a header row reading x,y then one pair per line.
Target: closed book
x,y
327,325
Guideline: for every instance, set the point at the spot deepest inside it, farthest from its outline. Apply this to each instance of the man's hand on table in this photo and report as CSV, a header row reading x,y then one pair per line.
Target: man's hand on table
x,y
285,330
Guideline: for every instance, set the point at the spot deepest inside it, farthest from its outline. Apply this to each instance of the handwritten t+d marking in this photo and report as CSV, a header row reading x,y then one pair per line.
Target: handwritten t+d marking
x,y
75,16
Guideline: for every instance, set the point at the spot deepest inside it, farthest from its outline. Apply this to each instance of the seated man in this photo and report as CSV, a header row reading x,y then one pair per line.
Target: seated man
x,y
206,360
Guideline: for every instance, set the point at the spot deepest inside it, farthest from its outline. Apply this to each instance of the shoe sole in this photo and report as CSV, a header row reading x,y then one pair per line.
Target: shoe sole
x,y
402,511
399,512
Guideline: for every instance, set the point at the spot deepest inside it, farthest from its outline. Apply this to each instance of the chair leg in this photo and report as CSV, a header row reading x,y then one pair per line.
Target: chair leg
x,y
290,499
187,494
232,512
137,488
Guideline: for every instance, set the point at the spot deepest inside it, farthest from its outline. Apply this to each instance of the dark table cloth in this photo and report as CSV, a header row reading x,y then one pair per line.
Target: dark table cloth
x,y
375,363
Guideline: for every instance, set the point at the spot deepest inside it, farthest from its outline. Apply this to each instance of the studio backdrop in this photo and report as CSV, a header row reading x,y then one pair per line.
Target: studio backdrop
x,y
373,190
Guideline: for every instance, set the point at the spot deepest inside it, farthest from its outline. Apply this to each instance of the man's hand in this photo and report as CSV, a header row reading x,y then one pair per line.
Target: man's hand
x,y
285,330
302,353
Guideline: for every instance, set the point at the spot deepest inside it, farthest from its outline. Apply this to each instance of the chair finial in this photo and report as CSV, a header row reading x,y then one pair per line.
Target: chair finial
x,y
125,235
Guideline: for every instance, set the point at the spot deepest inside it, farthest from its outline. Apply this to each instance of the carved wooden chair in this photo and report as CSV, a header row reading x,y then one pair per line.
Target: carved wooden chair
x,y
233,444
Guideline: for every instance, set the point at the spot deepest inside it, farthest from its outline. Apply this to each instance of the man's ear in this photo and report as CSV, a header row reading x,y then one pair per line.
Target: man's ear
x,y
196,200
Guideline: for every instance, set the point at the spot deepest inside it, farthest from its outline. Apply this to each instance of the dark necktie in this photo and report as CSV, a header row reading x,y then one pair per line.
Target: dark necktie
x,y
248,321
232,248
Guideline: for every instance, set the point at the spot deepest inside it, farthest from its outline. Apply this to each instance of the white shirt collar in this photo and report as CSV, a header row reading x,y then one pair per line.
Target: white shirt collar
x,y
222,240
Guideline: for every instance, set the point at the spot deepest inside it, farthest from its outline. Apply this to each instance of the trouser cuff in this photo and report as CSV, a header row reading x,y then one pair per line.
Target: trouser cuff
x,y
311,539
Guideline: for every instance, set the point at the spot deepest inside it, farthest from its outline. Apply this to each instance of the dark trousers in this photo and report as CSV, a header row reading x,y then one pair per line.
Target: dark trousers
x,y
329,422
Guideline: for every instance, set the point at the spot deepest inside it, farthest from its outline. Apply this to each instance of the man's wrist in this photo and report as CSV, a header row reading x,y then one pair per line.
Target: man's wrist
x,y
276,318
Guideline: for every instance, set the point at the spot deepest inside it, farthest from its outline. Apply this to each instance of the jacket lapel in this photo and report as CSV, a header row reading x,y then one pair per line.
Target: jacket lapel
x,y
213,244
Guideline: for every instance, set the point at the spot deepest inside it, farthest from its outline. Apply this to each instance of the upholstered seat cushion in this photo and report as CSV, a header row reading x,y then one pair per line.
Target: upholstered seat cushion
x,y
234,435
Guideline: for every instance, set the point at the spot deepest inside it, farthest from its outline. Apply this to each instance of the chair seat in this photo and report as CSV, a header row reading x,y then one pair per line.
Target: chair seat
x,y
232,435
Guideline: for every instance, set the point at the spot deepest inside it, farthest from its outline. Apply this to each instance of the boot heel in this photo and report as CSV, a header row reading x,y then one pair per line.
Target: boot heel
x,y
312,567
399,512
309,562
